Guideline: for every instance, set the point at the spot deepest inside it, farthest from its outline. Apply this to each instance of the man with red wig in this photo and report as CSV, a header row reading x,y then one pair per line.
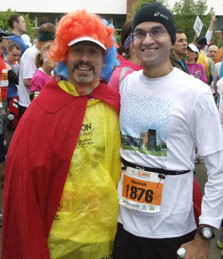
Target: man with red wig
x,y
63,164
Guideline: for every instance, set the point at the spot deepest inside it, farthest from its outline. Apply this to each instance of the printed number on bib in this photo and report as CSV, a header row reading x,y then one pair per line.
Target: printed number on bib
x,y
142,190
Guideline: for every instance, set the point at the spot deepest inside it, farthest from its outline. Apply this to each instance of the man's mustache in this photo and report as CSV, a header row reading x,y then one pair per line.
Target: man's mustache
x,y
81,63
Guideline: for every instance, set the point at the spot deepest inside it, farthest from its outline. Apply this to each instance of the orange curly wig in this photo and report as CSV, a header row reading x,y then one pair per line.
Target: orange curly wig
x,y
80,24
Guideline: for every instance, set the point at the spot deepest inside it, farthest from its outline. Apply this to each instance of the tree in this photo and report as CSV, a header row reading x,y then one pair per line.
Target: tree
x,y
30,24
4,16
138,4
190,7
185,14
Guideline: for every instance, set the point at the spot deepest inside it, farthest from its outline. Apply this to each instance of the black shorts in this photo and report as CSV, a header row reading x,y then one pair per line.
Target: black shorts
x,y
22,109
128,246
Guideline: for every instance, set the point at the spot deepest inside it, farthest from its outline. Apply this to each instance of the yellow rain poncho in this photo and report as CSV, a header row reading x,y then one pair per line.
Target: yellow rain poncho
x,y
85,224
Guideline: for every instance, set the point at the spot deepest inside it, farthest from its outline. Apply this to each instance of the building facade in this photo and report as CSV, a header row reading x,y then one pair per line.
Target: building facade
x,y
51,11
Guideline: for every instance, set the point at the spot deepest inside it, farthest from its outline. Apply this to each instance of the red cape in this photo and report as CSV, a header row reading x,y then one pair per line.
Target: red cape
x,y
37,164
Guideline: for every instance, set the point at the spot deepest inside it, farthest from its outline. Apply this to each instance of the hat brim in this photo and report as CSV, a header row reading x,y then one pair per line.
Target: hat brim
x,y
6,36
80,39
193,48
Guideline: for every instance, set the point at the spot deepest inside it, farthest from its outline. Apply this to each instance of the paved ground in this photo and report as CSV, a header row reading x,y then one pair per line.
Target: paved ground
x,y
201,177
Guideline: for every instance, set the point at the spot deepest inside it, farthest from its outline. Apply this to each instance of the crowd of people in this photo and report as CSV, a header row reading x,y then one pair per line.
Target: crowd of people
x,y
98,142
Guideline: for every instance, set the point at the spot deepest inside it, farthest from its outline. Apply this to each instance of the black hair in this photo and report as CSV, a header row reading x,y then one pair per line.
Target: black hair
x,y
13,18
13,45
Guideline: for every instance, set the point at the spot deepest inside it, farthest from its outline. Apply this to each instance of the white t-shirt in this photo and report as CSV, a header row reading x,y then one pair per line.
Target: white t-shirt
x,y
217,69
179,113
26,71
220,104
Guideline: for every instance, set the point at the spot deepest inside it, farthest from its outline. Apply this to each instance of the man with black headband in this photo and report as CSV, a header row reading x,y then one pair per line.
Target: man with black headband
x,y
164,114
45,34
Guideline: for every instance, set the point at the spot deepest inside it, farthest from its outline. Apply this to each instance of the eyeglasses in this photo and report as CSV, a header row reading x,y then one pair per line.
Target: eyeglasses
x,y
154,33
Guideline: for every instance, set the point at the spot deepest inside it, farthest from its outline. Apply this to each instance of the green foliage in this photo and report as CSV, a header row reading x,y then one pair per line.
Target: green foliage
x,y
140,3
185,12
186,23
30,30
4,16
118,38
190,7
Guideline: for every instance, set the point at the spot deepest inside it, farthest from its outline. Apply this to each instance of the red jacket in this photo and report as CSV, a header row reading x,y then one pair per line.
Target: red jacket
x,y
37,164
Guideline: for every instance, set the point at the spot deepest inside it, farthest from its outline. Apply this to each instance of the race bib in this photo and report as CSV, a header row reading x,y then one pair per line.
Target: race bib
x,y
142,190
35,94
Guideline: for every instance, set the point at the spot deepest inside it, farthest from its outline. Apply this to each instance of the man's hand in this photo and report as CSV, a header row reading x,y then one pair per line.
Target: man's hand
x,y
197,248
212,15
27,82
